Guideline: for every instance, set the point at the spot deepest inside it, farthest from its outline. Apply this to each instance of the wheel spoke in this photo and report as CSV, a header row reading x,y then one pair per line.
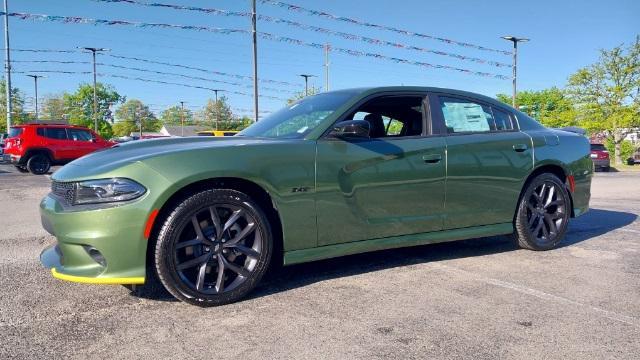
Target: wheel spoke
x,y
247,251
552,224
241,235
533,218
195,261
236,269
545,232
220,278
188,243
201,274
232,219
216,221
557,202
536,231
197,228
549,195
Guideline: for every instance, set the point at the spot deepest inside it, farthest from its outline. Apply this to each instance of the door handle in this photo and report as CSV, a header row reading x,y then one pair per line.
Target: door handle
x,y
432,158
520,147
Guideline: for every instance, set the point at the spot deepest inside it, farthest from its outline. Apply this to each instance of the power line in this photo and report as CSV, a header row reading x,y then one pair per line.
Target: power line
x,y
142,80
353,21
267,36
236,76
344,35
155,72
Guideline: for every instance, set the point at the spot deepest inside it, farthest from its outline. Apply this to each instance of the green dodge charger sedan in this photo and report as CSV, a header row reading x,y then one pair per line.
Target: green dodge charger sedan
x,y
334,174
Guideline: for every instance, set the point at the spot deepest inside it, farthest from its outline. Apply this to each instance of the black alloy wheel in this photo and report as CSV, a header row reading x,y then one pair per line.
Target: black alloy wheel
x,y
39,164
543,213
213,248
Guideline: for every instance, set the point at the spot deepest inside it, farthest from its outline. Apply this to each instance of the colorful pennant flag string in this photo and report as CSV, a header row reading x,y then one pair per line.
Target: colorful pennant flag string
x,y
268,36
378,26
348,36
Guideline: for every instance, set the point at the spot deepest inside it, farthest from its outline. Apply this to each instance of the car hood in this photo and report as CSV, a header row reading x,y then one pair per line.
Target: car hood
x,y
104,161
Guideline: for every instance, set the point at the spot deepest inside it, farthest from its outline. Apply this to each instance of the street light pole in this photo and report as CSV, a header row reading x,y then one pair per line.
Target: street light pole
x,y
306,83
254,33
7,64
217,108
182,117
35,81
515,41
95,95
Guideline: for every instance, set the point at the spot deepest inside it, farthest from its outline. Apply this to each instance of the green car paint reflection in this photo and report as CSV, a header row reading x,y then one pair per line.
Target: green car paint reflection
x,y
304,186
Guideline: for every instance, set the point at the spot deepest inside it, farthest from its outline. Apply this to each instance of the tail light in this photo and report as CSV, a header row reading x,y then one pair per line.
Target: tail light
x,y
605,154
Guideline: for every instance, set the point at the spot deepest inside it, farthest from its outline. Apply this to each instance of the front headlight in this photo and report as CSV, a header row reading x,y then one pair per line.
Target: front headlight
x,y
107,191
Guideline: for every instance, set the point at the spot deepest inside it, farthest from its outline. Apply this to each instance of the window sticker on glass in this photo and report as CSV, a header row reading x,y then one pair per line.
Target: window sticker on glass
x,y
465,117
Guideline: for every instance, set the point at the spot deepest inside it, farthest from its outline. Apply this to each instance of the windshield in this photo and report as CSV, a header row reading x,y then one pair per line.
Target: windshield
x,y
15,131
300,118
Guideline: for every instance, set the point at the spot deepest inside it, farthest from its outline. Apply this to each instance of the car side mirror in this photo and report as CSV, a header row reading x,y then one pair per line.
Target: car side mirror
x,y
351,129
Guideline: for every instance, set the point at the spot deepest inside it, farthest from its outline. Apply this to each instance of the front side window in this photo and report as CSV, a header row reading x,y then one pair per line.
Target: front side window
x,y
392,116
464,116
79,135
56,133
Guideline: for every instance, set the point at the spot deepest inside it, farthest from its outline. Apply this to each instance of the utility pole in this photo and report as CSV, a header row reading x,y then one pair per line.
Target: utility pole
x,y
138,115
7,64
327,47
254,32
515,41
95,95
306,83
35,81
217,107
182,117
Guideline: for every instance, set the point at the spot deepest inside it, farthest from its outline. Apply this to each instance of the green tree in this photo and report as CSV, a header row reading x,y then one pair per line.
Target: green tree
x,y
552,107
53,108
79,106
131,115
301,95
218,114
608,94
173,116
18,116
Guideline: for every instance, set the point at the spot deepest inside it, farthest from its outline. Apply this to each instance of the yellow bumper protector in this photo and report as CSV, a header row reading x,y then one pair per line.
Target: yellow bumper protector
x,y
104,281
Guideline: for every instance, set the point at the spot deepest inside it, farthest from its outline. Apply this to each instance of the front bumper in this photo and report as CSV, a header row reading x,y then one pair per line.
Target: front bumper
x,y
13,159
116,234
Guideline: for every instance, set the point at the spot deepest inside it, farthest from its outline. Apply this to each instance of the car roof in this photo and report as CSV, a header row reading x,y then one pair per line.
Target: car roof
x,y
381,89
52,125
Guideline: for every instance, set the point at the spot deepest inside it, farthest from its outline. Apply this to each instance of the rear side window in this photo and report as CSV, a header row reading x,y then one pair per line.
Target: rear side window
x,y
79,135
502,119
15,131
464,116
598,147
56,133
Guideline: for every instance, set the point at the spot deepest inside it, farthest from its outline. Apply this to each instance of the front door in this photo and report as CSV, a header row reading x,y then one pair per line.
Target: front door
x,y
392,184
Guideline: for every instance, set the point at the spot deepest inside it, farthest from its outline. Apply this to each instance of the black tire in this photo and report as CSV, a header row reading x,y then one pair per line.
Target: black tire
x,y
241,244
39,164
606,168
21,169
543,213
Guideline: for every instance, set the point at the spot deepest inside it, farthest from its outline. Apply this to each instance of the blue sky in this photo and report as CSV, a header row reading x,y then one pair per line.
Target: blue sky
x,y
565,35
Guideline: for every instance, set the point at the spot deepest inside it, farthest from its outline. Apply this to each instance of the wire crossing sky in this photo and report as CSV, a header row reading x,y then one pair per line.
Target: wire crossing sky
x,y
373,43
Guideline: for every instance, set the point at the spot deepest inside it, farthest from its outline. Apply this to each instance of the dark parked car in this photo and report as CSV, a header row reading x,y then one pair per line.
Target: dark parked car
x,y
600,157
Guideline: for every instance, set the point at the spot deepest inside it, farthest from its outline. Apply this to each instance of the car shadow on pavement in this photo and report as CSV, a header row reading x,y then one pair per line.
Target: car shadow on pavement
x,y
594,223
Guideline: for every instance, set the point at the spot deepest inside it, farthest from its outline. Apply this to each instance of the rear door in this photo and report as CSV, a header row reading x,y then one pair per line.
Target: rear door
x,y
488,159
391,184
57,142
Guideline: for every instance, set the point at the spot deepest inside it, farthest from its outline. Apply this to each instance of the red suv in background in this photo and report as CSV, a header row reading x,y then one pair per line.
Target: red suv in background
x,y
35,147
600,157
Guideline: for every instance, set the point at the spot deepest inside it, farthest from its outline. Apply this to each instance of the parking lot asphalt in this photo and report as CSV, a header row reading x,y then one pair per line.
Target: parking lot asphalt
x,y
479,299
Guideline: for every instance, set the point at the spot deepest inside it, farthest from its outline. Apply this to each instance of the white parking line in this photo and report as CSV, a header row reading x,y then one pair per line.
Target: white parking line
x,y
541,294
